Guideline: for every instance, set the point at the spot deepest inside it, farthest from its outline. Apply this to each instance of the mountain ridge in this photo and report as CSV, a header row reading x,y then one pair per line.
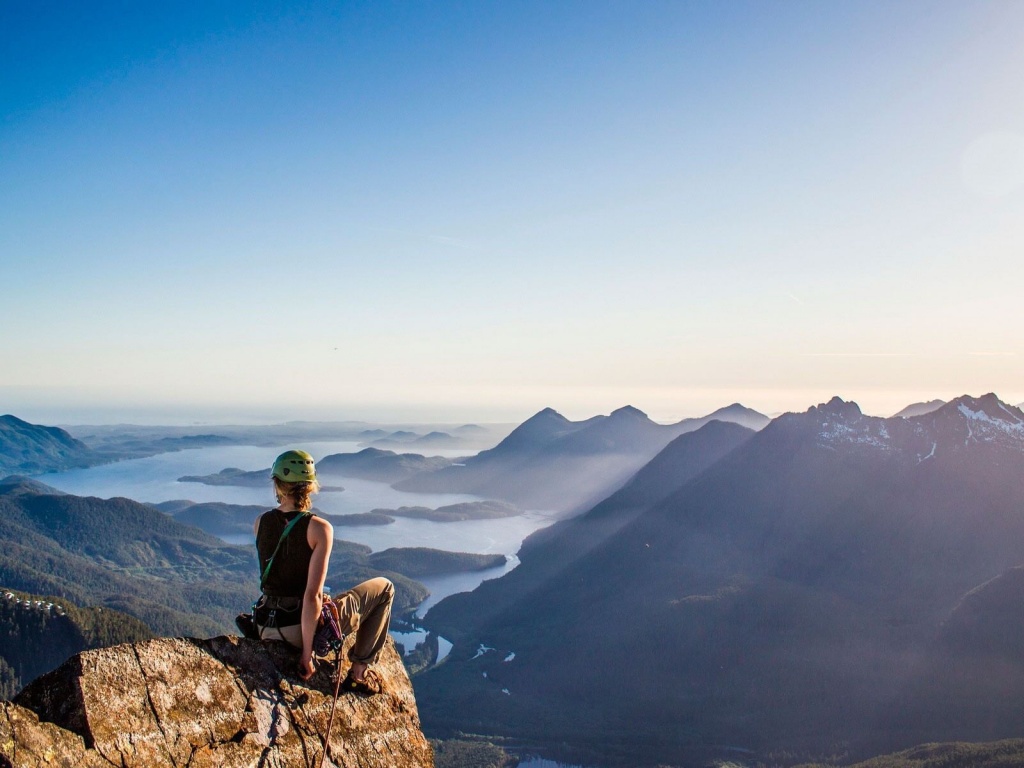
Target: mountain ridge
x,y
550,550
549,462
816,561
33,448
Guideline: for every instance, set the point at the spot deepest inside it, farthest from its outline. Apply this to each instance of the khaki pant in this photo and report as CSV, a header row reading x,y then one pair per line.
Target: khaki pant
x,y
365,609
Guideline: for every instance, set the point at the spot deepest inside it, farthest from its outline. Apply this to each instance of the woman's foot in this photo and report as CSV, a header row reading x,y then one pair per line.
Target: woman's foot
x,y
358,681
357,671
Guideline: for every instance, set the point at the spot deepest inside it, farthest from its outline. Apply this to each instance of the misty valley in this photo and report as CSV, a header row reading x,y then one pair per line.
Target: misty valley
x,y
818,588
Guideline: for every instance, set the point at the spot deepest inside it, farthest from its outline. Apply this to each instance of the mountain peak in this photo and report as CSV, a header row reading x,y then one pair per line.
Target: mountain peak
x,y
736,413
839,408
919,409
989,404
371,451
541,428
627,411
548,418
735,407
840,423
985,419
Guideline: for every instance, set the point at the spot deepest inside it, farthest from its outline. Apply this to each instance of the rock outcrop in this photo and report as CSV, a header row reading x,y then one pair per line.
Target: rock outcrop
x,y
224,703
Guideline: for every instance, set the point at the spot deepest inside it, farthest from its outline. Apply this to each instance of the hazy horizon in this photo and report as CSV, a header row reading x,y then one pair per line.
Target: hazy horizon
x,y
202,415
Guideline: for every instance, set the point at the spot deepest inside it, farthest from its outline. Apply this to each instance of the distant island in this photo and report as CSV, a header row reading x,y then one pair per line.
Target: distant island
x,y
379,465
412,440
222,519
231,476
453,513
359,518
240,477
417,562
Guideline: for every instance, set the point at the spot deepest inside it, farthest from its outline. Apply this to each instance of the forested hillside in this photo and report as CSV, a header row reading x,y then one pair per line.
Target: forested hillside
x,y
120,554
30,448
38,633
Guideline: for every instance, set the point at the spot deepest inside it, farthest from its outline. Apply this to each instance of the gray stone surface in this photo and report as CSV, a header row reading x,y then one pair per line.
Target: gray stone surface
x,y
224,702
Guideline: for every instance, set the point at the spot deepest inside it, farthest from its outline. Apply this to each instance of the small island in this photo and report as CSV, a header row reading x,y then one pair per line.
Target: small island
x,y
454,513
417,562
379,465
231,476
222,519
358,518
243,478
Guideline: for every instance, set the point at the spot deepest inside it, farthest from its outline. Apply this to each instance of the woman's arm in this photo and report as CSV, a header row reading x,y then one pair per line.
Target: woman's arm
x,y
320,536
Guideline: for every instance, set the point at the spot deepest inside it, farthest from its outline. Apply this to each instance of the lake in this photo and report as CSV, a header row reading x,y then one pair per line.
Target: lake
x,y
155,479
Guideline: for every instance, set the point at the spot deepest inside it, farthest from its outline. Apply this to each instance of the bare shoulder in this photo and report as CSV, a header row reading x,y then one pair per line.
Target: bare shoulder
x,y
320,530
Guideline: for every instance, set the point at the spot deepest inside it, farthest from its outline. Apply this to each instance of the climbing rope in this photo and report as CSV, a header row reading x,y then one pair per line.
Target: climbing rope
x,y
334,704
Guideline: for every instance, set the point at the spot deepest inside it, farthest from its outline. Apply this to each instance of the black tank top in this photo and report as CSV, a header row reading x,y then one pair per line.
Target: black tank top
x,y
288,576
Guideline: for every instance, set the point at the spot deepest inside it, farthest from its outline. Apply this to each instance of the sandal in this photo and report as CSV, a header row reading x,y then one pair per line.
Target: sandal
x,y
362,687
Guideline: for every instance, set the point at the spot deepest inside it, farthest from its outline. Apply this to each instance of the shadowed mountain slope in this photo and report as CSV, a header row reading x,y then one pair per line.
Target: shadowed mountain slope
x,y
552,550
549,462
790,597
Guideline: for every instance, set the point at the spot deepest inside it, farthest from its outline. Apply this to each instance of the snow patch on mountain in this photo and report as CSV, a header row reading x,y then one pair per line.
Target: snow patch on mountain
x,y
982,427
930,453
843,423
863,433
962,422
481,651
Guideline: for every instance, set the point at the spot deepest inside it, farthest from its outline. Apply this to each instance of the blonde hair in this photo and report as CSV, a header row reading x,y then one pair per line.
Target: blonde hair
x,y
300,494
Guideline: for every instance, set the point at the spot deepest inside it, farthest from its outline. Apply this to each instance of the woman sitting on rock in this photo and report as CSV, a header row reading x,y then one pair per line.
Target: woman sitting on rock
x,y
294,547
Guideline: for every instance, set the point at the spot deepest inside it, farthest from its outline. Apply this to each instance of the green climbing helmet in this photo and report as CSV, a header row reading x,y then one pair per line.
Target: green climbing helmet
x,y
294,467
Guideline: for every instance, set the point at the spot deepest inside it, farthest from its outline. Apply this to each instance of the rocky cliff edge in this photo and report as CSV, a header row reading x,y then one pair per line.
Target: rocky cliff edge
x,y
224,702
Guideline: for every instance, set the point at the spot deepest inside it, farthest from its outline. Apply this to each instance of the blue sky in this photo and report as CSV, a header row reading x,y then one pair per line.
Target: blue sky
x,y
475,210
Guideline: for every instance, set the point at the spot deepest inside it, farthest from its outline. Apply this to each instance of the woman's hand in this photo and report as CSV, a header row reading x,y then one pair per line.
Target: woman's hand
x,y
306,668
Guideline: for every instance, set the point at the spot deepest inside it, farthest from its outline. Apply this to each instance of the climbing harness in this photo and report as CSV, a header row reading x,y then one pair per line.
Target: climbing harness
x,y
269,619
